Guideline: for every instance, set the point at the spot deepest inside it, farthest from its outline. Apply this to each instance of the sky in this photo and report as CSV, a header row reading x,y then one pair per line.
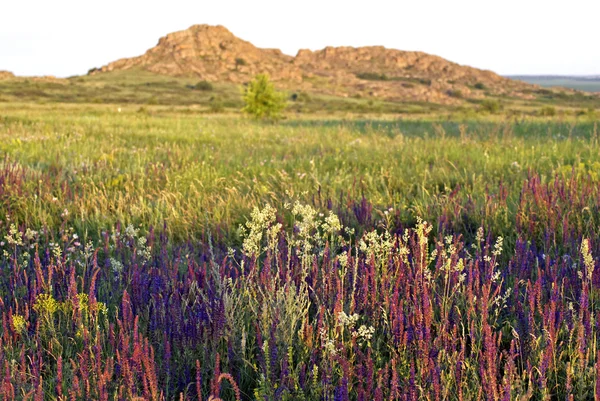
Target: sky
x,y
545,37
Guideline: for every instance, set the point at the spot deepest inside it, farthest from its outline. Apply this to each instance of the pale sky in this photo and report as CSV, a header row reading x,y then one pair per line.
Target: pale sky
x,y
68,37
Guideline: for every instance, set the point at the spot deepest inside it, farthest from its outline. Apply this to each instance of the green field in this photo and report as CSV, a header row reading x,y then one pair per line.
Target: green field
x,y
191,170
143,88
156,246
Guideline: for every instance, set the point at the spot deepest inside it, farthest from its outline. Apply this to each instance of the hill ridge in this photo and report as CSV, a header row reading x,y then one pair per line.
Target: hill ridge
x,y
215,54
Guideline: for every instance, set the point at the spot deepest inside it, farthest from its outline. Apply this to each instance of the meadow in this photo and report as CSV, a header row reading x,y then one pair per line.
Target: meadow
x,y
161,252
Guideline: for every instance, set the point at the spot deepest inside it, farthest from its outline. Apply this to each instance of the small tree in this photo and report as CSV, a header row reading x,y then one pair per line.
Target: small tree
x,y
262,100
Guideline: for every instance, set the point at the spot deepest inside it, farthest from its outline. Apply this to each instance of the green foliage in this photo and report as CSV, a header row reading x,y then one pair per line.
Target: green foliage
x,y
479,86
240,62
216,104
300,97
135,86
491,106
262,100
372,76
408,82
173,164
548,111
589,113
456,93
204,86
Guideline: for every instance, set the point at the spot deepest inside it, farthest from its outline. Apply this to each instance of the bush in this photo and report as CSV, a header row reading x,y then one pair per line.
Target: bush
x,y
240,62
548,111
300,97
479,86
590,113
491,106
262,100
456,93
372,76
204,86
215,104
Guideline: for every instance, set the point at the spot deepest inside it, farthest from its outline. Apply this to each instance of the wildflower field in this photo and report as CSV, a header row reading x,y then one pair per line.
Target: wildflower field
x,y
160,254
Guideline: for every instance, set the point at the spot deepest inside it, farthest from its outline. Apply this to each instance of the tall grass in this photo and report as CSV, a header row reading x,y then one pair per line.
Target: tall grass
x,y
196,172
169,256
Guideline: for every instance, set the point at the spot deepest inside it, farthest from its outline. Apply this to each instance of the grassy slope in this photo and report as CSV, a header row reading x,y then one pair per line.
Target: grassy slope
x,y
145,88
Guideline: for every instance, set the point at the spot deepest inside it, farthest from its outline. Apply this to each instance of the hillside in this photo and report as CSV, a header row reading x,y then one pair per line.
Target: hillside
x,y
214,54
6,75
211,53
335,79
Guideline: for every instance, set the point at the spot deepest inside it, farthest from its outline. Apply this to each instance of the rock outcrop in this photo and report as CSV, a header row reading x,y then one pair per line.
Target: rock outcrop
x,y
211,53
214,54
6,75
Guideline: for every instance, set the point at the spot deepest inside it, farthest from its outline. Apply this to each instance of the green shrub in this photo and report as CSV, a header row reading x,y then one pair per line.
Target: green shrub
x,y
240,62
303,97
456,93
262,100
491,106
479,86
372,76
548,111
300,97
204,86
590,113
215,104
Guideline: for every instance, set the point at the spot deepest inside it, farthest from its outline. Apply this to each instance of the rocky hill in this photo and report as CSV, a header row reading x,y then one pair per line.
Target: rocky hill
x,y
214,54
6,75
211,53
